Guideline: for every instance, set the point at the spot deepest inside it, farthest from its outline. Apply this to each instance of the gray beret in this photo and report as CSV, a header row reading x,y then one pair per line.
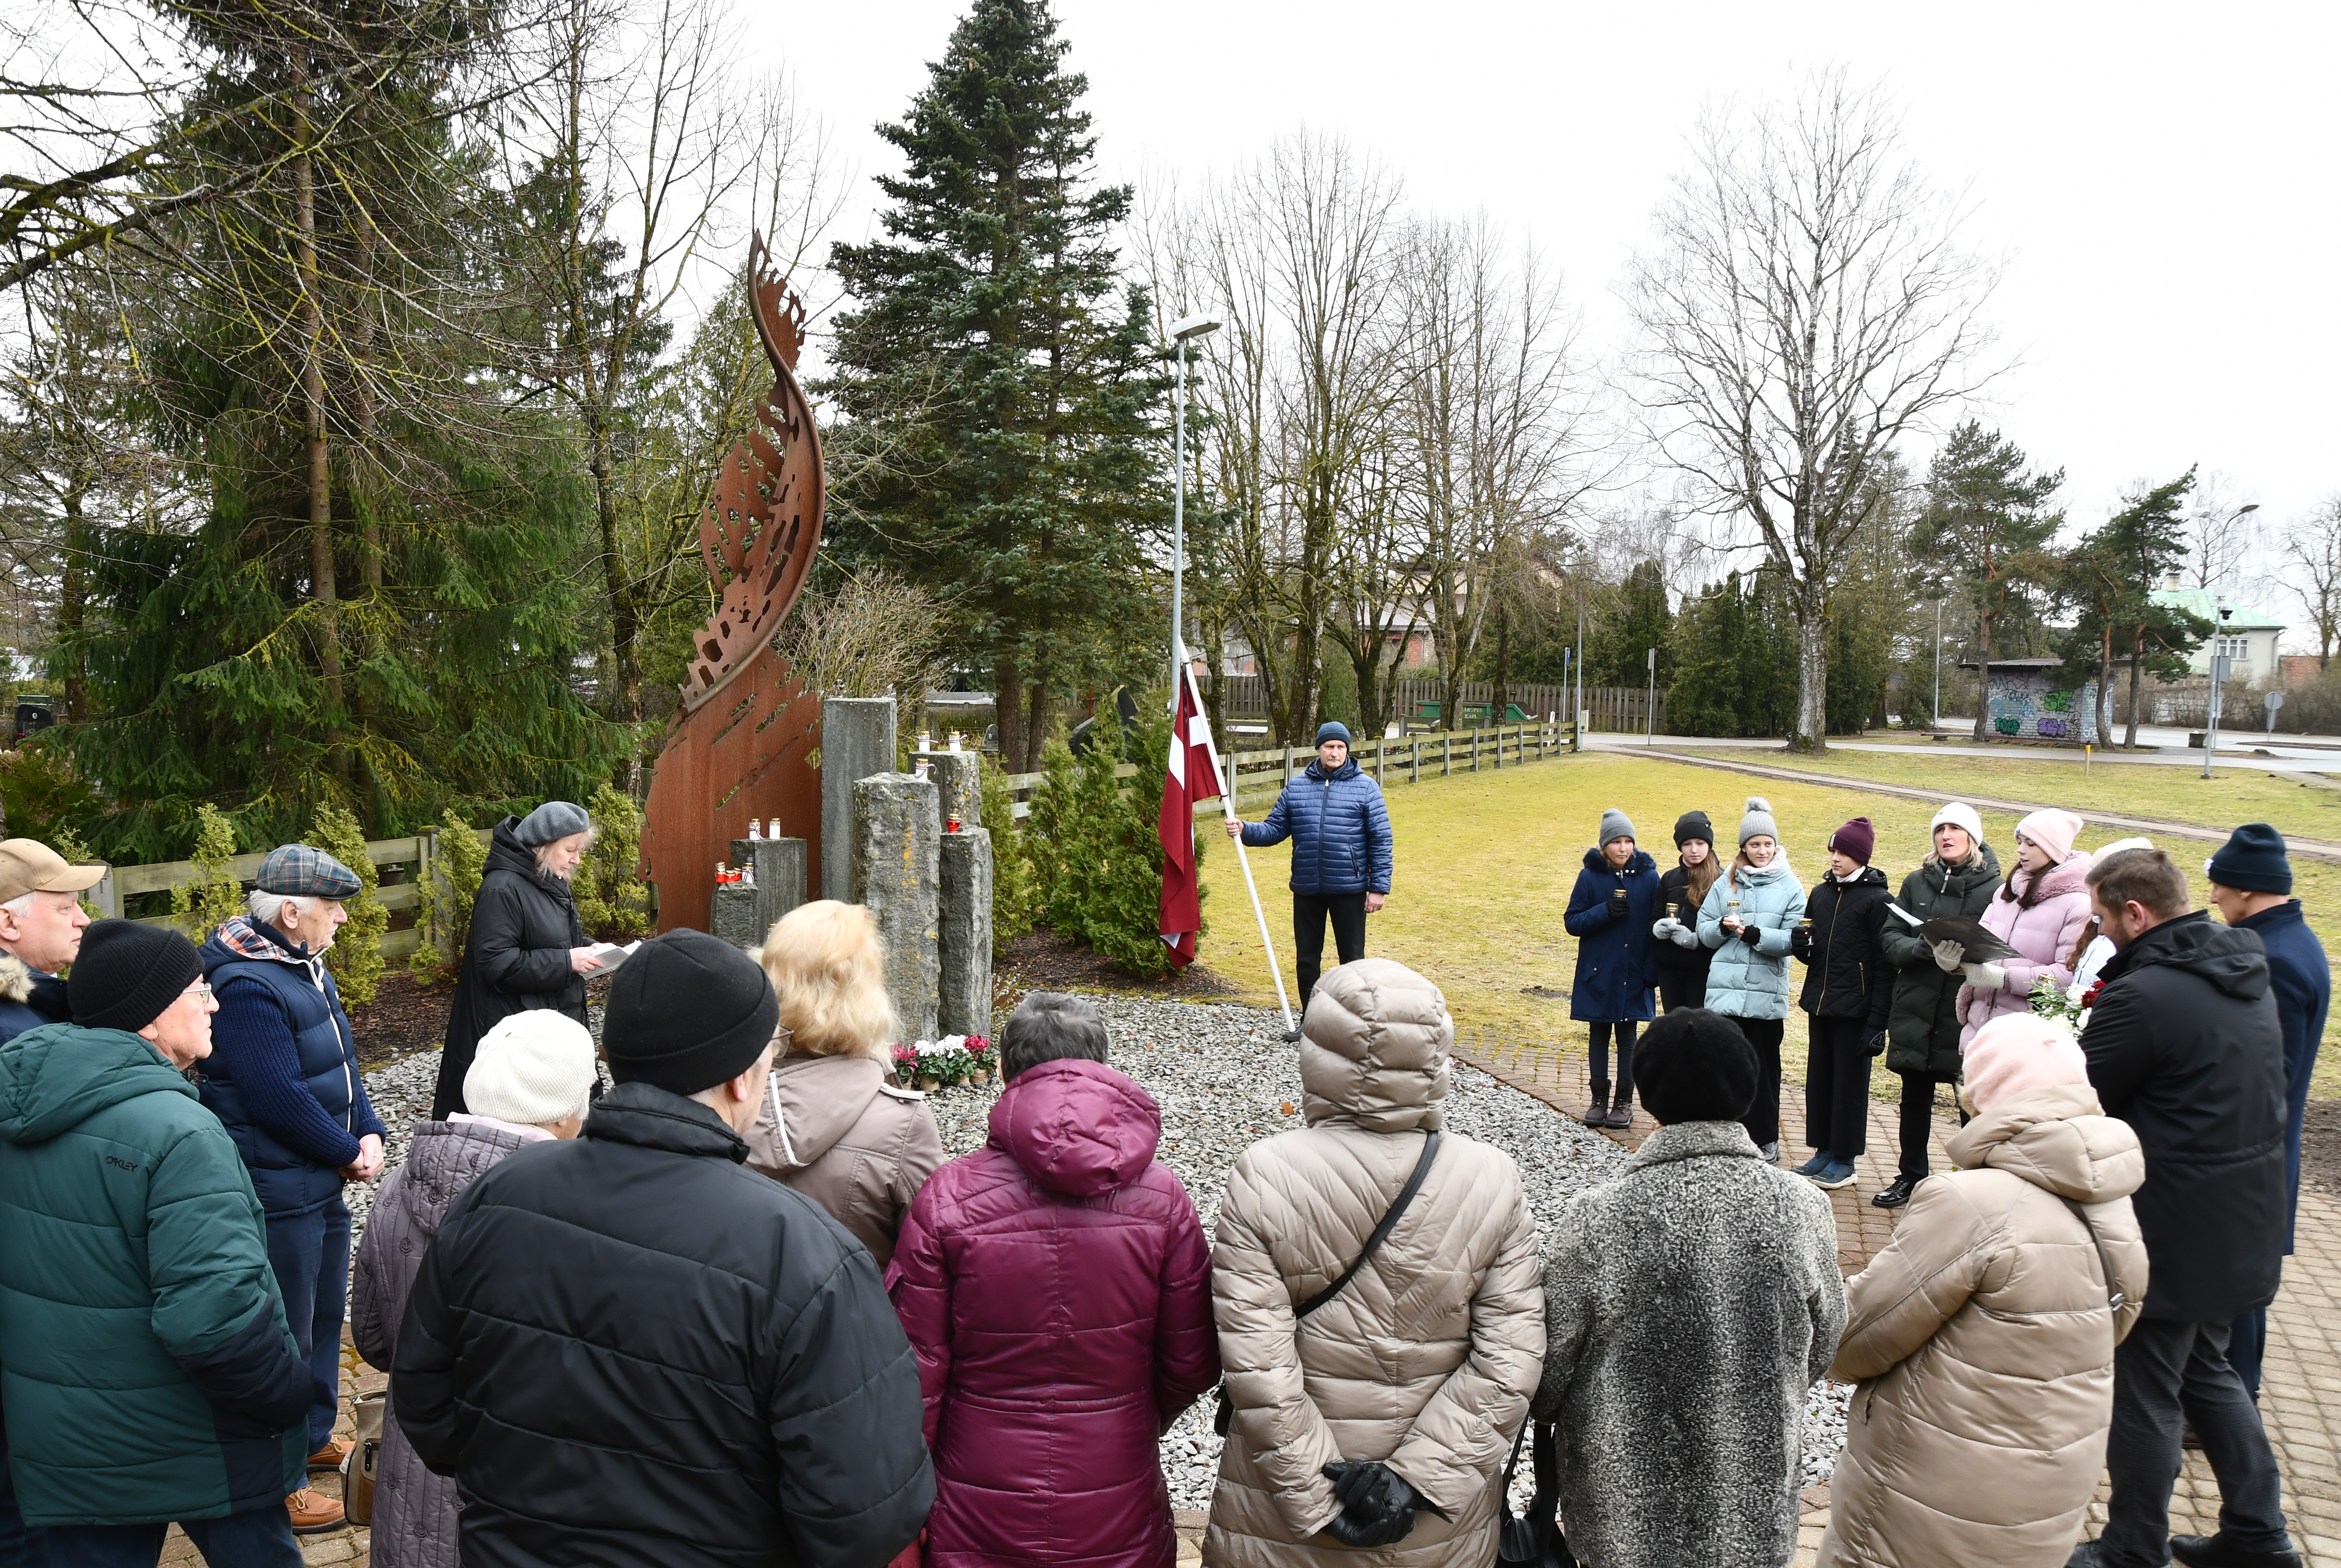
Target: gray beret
x,y
554,819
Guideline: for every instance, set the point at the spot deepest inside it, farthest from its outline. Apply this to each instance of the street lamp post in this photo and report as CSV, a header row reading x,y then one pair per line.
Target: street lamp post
x,y
1938,661
2218,681
1192,329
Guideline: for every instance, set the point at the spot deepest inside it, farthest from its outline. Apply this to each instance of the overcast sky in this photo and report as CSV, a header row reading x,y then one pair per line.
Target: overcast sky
x,y
2159,179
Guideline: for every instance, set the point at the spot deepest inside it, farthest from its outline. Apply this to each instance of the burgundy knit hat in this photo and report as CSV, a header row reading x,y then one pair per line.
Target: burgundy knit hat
x,y
1857,839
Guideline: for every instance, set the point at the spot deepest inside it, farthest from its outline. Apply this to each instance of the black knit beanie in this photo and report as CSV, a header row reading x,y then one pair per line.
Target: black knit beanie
x,y
1695,1066
1693,825
127,973
687,1012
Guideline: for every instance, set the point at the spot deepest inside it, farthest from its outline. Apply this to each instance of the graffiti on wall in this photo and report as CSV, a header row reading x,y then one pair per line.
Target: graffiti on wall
x,y
2024,706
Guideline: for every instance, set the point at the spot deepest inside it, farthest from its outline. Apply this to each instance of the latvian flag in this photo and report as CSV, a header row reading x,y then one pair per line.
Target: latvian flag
x,y
1193,775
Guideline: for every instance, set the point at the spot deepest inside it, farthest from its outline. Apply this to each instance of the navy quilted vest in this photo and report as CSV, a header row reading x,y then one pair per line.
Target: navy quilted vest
x,y
287,1181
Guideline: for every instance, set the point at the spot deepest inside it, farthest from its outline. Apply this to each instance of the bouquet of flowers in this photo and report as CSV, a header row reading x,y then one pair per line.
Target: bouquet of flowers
x,y
2067,1004
940,1064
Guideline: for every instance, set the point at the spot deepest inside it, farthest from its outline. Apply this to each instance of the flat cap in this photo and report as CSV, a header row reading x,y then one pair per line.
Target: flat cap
x,y
304,872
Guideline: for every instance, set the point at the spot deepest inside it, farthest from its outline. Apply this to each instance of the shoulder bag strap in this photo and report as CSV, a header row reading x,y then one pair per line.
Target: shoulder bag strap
x,y
1382,1232
2114,1297
1226,1411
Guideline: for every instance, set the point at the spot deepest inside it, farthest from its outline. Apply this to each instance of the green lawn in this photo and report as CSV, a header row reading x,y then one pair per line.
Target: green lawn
x,y
2231,795
1485,864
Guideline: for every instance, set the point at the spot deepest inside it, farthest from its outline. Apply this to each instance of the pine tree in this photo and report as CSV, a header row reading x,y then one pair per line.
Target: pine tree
x,y
995,358
1986,525
2146,540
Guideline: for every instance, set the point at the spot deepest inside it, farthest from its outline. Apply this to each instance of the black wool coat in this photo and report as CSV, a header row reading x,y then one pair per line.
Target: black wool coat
x,y
2185,1046
516,958
1679,963
1847,973
632,1350
1922,1033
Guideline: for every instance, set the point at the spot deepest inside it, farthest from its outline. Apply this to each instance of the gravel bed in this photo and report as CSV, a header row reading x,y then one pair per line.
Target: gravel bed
x,y
1224,1078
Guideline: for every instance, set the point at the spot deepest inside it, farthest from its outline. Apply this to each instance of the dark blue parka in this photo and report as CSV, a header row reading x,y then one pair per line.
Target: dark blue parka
x,y
2304,991
1615,965
29,998
1340,832
296,1116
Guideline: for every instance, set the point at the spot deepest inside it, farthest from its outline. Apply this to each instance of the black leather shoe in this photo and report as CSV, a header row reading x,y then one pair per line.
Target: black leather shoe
x,y
1899,1193
2213,1552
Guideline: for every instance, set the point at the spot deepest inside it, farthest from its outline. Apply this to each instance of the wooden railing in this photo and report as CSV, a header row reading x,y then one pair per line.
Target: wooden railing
x,y
403,862
1255,778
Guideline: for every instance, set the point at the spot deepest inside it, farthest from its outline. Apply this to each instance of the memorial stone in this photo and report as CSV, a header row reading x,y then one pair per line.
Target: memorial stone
x,y
733,915
780,868
965,933
857,740
895,873
957,774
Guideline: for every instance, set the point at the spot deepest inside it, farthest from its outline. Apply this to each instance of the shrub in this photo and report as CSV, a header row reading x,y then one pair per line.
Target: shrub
x,y
1015,881
199,907
355,957
41,795
69,844
612,900
444,914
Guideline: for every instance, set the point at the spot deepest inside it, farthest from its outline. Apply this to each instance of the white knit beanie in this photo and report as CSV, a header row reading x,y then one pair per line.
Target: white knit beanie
x,y
1958,814
535,1068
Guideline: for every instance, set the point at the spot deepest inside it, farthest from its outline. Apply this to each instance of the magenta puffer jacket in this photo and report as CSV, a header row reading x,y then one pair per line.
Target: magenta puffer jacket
x,y
1057,1288
2044,934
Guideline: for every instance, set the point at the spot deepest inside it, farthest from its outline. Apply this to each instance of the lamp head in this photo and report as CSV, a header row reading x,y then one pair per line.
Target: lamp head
x,y
1193,328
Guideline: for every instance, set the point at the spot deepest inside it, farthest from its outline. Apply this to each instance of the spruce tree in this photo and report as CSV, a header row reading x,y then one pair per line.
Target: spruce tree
x,y
1986,525
1003,395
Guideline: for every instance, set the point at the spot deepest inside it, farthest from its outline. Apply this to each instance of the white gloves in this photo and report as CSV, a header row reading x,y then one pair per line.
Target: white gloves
x,y
1985,977
1948,956
1675,931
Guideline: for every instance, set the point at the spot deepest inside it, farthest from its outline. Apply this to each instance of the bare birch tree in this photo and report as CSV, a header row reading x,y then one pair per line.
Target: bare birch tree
x,y
1807,307
2312,547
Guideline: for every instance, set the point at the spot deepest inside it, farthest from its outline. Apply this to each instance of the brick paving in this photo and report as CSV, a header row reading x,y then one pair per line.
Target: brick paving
x,y
2301,1381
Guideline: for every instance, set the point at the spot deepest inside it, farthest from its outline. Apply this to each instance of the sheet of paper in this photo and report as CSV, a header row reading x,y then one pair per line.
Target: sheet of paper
x,y
1907,918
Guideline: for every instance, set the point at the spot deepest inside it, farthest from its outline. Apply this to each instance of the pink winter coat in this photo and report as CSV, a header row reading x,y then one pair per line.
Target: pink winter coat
x,y
2045,935
1057,1288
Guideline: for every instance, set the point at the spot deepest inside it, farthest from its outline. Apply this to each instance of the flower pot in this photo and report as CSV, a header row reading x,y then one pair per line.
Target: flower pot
x,y
928,1081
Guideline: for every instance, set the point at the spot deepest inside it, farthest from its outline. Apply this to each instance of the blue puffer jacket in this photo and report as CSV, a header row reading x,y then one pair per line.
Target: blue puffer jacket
x,y
1615,965
296,1118
1747,982
1339,830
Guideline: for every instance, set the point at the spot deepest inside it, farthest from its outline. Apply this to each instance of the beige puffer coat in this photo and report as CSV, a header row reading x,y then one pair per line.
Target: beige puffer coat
x,y
1983,1340
838,1130
1427,1358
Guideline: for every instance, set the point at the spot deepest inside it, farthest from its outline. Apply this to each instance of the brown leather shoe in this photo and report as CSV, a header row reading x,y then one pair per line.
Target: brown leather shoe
x,y
314,1512
329,1457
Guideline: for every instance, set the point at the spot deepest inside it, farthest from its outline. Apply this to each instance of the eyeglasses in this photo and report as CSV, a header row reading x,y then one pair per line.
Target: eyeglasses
x,y
200,991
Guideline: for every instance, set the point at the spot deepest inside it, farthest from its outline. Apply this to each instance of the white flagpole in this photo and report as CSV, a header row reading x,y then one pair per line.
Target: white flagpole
x,y
1228,809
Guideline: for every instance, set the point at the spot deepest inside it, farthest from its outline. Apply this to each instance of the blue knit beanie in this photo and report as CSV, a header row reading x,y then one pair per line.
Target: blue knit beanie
x,y
2252,860
1332,729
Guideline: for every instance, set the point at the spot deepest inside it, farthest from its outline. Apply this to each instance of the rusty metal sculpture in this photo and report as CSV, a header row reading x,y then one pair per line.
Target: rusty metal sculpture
x,y
742,746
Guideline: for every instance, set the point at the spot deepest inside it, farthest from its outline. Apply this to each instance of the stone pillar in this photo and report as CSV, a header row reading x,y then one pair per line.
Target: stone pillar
x,y
733,916
957,775
963,946
857,740
780,868
896,871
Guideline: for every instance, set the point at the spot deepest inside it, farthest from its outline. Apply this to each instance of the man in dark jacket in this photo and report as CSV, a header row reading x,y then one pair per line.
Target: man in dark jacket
x,y
151,1377
632,1350
2251,886
1922,1030
283,1080
1342,853
2185,1046
526,947
41,924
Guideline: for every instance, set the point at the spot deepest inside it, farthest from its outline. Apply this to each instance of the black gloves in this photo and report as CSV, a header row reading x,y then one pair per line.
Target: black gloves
x,y
1752,935
1377,1506
1878,1044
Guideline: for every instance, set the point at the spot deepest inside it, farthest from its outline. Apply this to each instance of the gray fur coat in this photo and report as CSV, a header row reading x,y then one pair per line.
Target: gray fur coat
x,y
1690,1305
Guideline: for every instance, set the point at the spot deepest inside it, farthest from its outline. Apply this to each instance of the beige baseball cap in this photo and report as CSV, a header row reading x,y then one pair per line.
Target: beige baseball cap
x,y
29,866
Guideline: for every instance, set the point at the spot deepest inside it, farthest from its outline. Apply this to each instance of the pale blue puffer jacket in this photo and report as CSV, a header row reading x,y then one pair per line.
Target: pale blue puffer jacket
x,y
1746,982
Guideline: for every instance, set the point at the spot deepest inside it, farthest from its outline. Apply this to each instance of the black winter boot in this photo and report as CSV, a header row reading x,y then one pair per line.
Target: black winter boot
x,y
1621,1111
1597,1115
2213,1552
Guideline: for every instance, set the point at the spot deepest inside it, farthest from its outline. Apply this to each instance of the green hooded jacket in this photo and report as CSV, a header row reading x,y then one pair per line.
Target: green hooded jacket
x,y
1922,1027
148,1374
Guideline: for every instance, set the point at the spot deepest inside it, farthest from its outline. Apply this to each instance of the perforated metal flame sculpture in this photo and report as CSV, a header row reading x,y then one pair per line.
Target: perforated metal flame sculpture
x,y
741,744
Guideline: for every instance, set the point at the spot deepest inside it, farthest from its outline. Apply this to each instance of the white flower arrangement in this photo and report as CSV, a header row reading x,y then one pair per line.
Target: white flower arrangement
x,y
2067,1004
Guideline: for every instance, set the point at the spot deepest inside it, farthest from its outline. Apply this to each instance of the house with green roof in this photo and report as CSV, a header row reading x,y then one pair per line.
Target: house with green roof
x,y
2247,636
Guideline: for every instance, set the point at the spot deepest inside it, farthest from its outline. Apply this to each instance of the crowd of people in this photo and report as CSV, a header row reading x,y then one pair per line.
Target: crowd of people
x,y
734,1304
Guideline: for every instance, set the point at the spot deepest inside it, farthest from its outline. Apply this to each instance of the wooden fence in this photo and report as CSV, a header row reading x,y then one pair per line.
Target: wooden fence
x,y
1420,703
1256,778
403,864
